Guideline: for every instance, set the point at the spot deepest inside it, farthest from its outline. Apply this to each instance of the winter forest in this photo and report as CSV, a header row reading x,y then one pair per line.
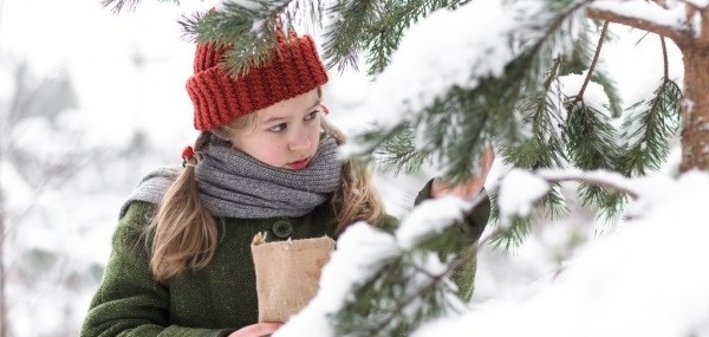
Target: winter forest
x,y
598,111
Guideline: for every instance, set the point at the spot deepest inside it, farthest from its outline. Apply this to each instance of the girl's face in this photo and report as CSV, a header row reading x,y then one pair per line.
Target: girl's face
x,y
286,134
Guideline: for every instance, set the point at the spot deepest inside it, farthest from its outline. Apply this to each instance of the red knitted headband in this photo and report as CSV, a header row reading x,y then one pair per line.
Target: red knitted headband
x,y
218,99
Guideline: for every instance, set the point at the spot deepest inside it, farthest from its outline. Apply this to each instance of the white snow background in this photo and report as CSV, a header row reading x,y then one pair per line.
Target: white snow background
x,y
642,277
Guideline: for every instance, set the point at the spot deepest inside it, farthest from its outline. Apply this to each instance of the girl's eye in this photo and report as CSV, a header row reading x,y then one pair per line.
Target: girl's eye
x,y
277,128
311,115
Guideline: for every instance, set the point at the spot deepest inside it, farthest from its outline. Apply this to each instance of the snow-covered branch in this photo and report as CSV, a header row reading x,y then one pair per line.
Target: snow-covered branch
x,y
644,279
649,16
602,178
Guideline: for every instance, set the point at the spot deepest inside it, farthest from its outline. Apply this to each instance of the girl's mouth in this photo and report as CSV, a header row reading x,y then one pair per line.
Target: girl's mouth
x,y
297,165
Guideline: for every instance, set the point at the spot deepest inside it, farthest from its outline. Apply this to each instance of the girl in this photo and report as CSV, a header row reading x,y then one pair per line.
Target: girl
x,y
265,161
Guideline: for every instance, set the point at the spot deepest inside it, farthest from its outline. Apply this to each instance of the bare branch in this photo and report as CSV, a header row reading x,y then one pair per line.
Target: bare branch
x,y
664,59
593,63
680,36
611,180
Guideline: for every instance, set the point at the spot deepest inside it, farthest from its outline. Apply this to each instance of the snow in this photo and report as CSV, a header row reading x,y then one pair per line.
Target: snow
x,y
673,17
476,38
615,179
593,96
430,217
518,191
634,281
360,250
645,279
698,3
129,72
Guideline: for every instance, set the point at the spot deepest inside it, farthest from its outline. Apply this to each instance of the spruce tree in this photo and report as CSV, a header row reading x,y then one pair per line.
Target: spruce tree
x,y
522,109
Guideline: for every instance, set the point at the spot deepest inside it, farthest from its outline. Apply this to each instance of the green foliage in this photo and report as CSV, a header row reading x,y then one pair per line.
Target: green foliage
x,y
249,32
398,152
539,110
591,144
579,60
590,137
344,35
649,130
511,234
523,110
384,33
403,294
452,131
600,77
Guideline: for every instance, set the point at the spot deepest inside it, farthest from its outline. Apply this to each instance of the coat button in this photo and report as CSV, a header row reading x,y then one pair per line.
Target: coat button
x,y
282,229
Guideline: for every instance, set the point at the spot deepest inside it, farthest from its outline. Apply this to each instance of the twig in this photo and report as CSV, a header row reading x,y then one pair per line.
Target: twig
x,y
593,63
678,35
557,176
664,59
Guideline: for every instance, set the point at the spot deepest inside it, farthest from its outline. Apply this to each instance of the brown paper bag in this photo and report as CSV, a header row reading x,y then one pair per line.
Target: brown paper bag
x,y
287,274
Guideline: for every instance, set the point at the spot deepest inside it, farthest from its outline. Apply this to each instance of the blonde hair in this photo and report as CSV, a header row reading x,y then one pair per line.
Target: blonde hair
x,y
184,235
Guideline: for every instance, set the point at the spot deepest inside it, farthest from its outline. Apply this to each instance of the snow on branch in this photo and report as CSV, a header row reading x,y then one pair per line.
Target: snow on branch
x,y
615,181
644,279
472,37
698,4
362,253
518,191
649,16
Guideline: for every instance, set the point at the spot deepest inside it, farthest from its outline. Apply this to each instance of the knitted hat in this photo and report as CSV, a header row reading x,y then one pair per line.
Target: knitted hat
x,y
218,98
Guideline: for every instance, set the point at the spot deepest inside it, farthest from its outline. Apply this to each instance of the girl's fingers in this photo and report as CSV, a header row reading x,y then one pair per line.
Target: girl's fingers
x,y
256,330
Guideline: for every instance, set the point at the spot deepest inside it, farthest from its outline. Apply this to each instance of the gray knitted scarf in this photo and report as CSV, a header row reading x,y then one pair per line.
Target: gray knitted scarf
x,y
234,184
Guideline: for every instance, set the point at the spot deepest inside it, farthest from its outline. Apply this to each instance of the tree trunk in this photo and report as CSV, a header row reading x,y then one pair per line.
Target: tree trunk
x,y
4,328
695,115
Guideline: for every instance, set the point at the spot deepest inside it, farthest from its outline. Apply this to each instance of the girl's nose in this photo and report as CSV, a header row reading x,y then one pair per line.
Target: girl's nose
x,y
299,142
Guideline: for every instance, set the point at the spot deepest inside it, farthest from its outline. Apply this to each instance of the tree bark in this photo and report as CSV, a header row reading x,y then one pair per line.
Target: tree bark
x,y
4,329
695,114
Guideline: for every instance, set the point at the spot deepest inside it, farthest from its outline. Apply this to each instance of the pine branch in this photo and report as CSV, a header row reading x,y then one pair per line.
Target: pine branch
x,y
591,138
552,206
591,145
247,31
403,294
454,128
579,97
344,35
425,291
385,32
680,36
519,228
399,152
650,130
579,59
665,62
544,148
593,181
615,101
117,5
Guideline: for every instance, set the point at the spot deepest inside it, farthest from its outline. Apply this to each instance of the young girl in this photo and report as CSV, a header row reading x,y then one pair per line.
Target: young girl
x,y
265,160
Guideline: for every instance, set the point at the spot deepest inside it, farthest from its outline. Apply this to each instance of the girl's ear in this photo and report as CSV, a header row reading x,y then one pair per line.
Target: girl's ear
x,y
324,108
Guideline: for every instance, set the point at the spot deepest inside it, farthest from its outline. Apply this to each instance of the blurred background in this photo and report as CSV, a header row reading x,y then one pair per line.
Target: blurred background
x,y
91,101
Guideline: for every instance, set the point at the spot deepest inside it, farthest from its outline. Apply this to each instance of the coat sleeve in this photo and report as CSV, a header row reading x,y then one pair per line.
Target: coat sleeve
x,y
471,229
129,302
475,221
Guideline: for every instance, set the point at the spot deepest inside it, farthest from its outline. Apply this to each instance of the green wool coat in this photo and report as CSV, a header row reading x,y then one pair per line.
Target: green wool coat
x,y
221,297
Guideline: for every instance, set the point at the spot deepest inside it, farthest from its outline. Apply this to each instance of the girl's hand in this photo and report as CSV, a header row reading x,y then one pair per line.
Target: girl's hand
x,y
466,190
256,330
